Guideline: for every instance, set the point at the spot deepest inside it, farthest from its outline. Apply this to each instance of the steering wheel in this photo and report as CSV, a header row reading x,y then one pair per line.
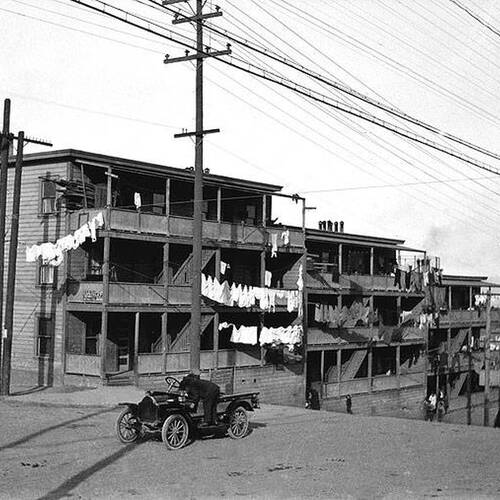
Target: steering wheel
x,y
172,383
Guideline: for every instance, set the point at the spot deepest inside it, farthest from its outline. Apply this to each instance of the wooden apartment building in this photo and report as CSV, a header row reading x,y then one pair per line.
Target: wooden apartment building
x,y
117,309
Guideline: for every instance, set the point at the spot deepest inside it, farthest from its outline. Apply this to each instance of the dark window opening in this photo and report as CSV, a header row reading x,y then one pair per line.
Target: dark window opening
x,y
44,336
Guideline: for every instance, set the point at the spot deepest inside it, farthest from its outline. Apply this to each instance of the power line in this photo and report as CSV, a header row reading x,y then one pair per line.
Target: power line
x,y
305,91
475,16
348,90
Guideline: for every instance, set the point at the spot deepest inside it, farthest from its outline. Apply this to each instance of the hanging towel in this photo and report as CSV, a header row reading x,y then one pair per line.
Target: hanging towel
x,y
267,278
223,267
137,200
285,237
274,245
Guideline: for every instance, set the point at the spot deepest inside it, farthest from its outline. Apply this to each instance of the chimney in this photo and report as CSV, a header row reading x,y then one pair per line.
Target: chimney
x,y
320,225
330,225
341,226
336,226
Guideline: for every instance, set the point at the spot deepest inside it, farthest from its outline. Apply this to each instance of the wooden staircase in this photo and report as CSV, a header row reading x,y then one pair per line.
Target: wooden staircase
x,y
351,367
181,342
184,274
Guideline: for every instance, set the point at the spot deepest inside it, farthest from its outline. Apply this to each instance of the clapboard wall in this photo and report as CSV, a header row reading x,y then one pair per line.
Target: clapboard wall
x,y
32,299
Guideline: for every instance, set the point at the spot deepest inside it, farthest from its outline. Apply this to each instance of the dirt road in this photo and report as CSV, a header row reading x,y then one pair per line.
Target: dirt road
x,y
291,453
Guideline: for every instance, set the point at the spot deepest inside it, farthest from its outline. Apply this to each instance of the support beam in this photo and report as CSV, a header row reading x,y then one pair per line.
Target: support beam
x,y
164,340
137,328
487,361
398,366
370,368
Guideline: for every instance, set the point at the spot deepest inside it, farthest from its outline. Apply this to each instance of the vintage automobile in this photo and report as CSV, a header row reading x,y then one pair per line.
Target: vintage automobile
x,y
177,418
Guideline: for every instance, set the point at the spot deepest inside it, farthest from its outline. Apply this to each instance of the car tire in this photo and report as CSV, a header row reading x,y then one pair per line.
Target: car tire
x,y
238,423
128,429
175,431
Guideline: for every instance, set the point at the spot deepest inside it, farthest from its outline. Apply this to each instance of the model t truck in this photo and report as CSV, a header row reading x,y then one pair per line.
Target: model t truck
x,y
177,418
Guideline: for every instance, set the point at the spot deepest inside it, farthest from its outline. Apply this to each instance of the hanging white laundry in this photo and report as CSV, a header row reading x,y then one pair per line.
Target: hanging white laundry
x,y
137,200
267,278
53,253
99,220
285,237
32,253
224,325
300,279
223,267
274,245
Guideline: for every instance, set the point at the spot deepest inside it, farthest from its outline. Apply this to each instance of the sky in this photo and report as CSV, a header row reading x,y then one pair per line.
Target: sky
x,y
85,81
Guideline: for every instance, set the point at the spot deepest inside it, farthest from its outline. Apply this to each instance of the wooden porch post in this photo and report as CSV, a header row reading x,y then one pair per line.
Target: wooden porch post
x,y
164,340
340,259
105,276
339,367
136,346
370,368
215,363
448,347
262,284
264,211
398,366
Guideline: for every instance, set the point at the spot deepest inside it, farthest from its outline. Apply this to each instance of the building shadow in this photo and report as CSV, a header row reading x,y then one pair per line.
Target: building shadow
x,y
65,488
33,435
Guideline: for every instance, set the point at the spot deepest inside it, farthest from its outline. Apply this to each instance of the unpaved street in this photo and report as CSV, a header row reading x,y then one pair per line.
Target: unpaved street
x,y
291,453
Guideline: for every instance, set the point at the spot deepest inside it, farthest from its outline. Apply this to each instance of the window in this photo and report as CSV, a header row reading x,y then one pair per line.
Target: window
x,y
44,336
47,197
92,339
46,274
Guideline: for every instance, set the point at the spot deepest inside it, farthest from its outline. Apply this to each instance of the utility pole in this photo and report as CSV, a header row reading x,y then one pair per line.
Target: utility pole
x,y
7,320
198,134
487,356
4,159
11,276
469,373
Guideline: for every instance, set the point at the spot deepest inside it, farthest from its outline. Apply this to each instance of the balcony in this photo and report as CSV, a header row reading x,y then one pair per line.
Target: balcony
x,y
91,292
83,292
182,227
463,317
352,282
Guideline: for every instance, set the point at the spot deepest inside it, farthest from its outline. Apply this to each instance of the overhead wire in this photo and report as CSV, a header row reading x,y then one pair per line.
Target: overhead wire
x,y
475,16
318,23
309,93
487,216
418,147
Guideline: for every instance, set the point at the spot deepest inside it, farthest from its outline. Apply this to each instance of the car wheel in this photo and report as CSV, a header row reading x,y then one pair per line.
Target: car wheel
x,y
175,431
128,428
238,423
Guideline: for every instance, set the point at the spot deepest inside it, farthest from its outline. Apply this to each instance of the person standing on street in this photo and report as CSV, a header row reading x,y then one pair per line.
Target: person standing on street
x,y
348,404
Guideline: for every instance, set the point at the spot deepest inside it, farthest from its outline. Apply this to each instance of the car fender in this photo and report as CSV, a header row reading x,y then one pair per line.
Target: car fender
x,y
133,406
239,402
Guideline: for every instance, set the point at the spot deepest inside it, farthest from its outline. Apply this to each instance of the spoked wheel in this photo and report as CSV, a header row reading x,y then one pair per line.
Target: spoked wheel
x,y
175,432
238,423
128,428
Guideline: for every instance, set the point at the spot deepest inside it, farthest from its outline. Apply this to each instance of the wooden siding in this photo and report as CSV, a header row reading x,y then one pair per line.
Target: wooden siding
x,y
31,301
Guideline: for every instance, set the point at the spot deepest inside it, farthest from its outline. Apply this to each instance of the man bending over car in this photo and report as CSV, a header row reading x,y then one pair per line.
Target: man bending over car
x,y
205,390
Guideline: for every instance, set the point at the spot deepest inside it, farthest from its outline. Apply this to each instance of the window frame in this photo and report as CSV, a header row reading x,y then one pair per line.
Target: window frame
x,y
50,335
38,281
41,211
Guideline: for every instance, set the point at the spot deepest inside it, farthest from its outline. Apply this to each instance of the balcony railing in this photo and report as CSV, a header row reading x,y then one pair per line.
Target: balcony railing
x,y
91,292
352,282
463,317
147,223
